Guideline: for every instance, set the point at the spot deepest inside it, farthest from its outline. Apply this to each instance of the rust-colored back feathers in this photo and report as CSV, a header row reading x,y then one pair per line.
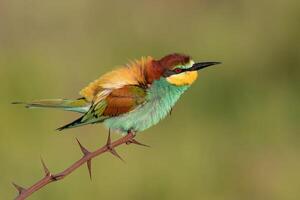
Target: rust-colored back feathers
x,y
139,72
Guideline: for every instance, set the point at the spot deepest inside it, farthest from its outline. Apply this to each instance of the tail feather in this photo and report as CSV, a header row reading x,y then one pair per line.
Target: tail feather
x,y
77,105
80,122
71,125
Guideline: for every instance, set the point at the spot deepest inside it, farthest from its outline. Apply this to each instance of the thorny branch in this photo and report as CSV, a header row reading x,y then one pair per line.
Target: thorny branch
x,y
87,158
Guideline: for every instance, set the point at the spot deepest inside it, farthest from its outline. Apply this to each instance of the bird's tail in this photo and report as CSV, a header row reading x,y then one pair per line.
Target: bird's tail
x,y
80,122
75,105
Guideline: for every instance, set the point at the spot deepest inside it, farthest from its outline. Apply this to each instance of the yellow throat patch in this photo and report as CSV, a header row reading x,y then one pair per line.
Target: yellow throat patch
x,y
185,78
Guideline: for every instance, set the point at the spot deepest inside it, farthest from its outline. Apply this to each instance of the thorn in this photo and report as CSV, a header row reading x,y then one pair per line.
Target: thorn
x,y
108,142
19,188
46,170
133,141
88,162
111,149
113,152
83,149
89,166
57,177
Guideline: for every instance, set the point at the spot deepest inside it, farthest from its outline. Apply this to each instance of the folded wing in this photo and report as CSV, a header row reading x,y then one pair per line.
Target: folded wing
x,y
117,102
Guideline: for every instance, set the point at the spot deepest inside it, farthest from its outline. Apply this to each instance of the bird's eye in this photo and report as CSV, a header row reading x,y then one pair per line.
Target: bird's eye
x,y
177,70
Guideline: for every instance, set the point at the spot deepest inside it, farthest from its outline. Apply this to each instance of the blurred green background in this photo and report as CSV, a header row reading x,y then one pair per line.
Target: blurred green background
x,y
234,135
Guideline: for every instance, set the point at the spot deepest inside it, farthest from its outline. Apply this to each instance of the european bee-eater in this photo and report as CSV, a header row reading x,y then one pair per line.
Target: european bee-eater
x,y
134,97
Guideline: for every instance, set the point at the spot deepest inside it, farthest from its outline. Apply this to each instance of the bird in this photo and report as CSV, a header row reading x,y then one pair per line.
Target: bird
x,y
133,97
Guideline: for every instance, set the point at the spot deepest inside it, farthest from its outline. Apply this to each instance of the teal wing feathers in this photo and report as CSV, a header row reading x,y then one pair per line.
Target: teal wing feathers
x,y
116,103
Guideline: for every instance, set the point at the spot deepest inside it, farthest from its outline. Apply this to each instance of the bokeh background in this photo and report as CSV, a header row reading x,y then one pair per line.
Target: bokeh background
x,y
234,135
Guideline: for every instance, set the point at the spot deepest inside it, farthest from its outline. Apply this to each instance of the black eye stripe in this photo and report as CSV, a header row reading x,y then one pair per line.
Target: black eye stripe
x,y
172,72
179,70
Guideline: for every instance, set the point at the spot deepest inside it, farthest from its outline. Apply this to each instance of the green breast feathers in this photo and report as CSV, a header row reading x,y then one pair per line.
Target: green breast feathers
x,y
160,98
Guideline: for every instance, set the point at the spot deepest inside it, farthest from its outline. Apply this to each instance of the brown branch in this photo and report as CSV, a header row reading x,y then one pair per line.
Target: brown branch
x,y
87,158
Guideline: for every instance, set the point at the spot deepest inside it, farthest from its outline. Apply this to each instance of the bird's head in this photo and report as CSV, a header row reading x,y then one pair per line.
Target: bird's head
x,y
179,69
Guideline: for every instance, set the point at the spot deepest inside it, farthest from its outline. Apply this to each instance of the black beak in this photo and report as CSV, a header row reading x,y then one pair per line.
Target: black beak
x,y
198,66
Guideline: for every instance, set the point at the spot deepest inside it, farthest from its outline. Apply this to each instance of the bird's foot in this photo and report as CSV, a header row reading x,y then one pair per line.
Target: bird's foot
x,y
170,113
